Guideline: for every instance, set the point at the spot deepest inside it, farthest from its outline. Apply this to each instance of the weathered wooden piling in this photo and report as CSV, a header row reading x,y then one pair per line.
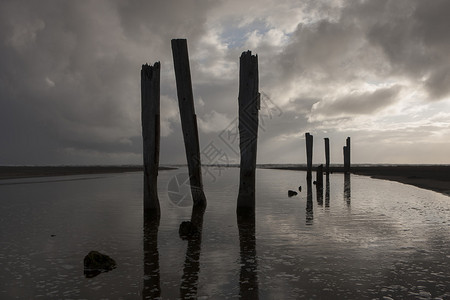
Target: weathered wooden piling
x,y
188,119
150,111
248,99
309,154
327,155
347,156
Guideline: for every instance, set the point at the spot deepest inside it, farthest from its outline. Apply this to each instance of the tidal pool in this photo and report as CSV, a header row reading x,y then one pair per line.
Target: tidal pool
x,y
360,238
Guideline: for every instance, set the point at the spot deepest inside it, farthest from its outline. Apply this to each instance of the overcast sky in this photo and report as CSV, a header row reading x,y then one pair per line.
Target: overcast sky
x,y
377,71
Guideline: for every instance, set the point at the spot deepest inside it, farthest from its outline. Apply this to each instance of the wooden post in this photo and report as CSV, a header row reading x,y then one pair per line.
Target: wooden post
x,y
248,99
188,119
309,154
347,156
150,108
327,155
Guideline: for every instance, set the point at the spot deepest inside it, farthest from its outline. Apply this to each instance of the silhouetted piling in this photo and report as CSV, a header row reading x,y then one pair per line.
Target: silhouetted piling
x,y
248,99
327,155
188,119
347,156
150,111
309,154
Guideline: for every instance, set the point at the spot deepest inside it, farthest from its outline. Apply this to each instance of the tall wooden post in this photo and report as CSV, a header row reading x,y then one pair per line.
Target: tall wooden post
x,y
248,99
150,108
347,156
188,119
309,154
327,155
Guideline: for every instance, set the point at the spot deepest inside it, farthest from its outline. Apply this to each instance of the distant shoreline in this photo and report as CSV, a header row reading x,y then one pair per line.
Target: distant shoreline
x,y
13,172
430,177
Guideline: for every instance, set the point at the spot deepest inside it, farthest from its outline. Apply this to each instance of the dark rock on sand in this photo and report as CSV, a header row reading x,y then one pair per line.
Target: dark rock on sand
x,y
188,230
300,188
292,193
96,263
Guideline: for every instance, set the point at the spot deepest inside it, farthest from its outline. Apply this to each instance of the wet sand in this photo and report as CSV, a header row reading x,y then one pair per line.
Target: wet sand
x,y
11,172
435,177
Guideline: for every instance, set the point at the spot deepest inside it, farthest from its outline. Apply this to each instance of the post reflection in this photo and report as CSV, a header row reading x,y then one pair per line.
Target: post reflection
x,y
152,286
248,279
309,203
327,191
189,280
319,193
347,189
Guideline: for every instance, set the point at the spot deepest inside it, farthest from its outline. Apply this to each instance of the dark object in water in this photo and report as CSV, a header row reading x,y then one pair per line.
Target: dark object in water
x,y
300,188
96,263
314,182
188,230
292,193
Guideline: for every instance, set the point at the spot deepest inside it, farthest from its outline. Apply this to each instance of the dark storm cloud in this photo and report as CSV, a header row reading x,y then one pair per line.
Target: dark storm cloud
x,y
70,73
413,36
69,76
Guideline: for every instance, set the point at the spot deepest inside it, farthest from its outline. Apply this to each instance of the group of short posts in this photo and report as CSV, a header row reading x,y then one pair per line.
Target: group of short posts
x,y
248,100
320,170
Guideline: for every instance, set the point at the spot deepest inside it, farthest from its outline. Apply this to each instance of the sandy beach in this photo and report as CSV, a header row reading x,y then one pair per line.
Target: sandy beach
x,y
11,172
431,177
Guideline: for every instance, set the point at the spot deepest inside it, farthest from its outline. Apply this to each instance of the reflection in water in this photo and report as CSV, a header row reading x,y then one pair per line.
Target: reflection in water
x,y
319,190
248,280
189,280
347,188
327,191
152,286
309,202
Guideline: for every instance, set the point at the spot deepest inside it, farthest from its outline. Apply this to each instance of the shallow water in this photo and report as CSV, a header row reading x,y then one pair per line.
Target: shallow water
x,y
363,239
